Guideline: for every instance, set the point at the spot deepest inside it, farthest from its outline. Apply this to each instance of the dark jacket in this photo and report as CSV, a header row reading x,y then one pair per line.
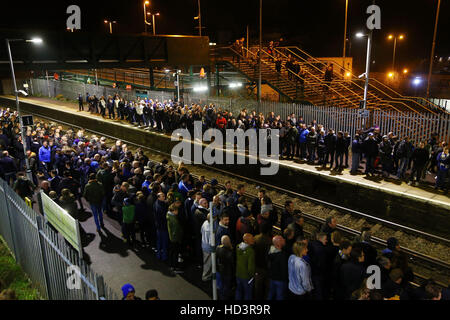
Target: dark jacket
x,y
285,219
317,252
277,264
94,192
225,261
159,212
330,142
370,147
351,276
420,157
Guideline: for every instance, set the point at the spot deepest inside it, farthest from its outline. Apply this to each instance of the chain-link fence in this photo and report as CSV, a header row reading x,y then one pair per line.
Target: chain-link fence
x,y
53,266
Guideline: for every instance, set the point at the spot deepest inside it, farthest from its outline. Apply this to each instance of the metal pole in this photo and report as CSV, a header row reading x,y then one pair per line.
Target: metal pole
x,y
154,27
246,54
345,35
178,86
213,250
110,27
260,54
22,133
48,84
366,85
199,19
393,56
145,19
432,49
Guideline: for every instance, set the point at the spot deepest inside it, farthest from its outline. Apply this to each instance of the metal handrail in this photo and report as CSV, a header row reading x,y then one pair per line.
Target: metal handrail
x,y
376,88
354,82
323,84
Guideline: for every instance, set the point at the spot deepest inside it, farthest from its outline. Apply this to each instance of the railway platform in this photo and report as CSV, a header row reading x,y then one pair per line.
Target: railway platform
x,y
419,207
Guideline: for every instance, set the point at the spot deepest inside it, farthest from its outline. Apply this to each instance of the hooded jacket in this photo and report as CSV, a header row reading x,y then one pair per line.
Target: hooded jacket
x,y
245,261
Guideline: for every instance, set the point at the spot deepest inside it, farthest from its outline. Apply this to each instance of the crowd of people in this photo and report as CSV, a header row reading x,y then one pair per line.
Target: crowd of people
x,y
386,155
169,212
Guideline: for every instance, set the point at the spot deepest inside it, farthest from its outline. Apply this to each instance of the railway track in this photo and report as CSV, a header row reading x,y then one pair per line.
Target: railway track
x,y
429,266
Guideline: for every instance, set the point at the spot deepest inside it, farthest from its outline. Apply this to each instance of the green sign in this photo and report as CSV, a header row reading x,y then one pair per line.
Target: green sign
x,y
66,225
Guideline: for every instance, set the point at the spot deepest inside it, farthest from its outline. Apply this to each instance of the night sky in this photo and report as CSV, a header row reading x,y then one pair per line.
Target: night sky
x,y
317,26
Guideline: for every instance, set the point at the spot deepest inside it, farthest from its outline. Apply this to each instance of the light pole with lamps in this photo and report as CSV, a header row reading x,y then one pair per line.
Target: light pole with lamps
x,y
260,55
395,37
153,20
110,24
16,92
345,35
146,23
366,74
432,49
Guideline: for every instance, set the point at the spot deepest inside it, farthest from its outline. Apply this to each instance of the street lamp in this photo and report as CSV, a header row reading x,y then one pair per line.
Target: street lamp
x,y
110,24
345,35
395,37
153,19
366,74
432,48
16,92
146,23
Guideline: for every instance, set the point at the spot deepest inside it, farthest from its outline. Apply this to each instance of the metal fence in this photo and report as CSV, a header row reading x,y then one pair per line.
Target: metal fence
x,y
417,126
45,256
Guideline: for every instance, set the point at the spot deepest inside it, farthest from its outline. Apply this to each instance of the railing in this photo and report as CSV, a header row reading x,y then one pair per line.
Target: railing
x,y
353,78
44,255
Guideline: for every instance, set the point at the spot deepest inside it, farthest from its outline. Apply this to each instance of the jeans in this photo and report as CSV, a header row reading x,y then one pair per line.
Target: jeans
x,y
244,290
369,164
311,153
224,286
162,244
355,162
98,216
128,232
402,168
440,180
339,159
331,155
417,171
277,290
302,150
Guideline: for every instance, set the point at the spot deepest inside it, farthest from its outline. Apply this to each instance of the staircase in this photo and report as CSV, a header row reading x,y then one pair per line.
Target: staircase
x,y
380,96
346,90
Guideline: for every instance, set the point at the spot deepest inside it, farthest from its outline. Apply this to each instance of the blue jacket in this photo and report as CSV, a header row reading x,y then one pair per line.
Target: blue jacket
x,y
302,136
184,189
44,154
299,275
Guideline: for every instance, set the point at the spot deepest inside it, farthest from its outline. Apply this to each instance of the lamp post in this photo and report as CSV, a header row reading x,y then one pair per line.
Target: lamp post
x,y
345,35
146,23
22,133
366,74
432,49
259,55
110,24
199,18
153,20
395,37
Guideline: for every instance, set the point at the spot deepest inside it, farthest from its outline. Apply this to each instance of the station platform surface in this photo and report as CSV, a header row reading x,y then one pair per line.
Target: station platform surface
x,y
425,193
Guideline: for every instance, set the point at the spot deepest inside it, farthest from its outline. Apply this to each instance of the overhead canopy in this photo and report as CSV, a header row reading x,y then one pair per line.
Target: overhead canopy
x,y
83,50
